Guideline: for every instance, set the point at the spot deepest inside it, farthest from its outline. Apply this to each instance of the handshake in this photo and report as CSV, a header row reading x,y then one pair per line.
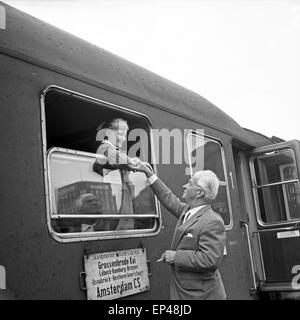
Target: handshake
x,y
139,165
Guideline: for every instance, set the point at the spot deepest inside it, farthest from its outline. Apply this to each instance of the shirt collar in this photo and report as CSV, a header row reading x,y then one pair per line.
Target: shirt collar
x,y
195,210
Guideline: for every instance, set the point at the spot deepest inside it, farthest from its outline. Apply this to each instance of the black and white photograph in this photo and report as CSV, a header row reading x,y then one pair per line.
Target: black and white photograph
x,y
150,150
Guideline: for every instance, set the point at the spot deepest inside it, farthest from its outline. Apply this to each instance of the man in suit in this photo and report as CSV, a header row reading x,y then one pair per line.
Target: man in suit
x,y
199,238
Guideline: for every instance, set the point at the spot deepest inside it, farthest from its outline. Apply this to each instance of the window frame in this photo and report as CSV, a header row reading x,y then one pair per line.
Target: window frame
x,y
222,183
95,235
255,186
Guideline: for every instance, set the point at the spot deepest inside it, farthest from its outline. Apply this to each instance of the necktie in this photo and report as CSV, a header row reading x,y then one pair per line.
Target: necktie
x,y
186,216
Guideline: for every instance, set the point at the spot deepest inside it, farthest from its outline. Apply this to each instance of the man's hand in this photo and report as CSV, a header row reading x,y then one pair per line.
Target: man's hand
x,y
133,162
139,165
168,256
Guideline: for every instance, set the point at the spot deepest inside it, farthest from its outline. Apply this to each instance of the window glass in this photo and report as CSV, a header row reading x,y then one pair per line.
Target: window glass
x,y
220,205
279,203
209,152
88,198
206,154
275,167
277,186
78,190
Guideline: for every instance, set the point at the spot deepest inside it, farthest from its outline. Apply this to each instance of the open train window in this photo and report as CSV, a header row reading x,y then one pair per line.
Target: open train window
x,y
83,203
206,153
276,184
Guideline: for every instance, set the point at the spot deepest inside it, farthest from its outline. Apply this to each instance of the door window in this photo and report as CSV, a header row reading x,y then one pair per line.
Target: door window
x,y
276,186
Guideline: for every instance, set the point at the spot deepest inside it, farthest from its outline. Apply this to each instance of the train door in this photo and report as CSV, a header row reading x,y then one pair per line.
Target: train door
x,y
276,190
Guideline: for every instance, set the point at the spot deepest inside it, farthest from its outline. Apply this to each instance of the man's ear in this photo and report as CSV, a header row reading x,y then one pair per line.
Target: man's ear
x,y
200,194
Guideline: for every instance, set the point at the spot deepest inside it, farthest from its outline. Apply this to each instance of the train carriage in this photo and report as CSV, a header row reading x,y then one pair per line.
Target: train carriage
x,y
55,90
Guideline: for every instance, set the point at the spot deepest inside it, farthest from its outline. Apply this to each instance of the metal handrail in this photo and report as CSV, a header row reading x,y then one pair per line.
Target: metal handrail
x,y
275,183
294,227
104,216
244,224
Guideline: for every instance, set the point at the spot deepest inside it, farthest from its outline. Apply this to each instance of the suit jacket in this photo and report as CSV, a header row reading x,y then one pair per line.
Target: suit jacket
x,y
199,244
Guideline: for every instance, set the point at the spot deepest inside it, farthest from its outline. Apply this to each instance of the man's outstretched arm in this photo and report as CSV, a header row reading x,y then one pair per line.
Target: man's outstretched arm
x,y
162,192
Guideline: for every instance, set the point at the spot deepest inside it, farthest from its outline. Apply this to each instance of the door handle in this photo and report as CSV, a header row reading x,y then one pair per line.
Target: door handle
x,y
231,179
82,280
245,225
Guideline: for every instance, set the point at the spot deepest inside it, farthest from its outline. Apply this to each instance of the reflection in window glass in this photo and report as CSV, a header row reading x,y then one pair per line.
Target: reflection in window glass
x,y
279,203
78,190
206,154
208,151
81,197
281,200
220,205
267,167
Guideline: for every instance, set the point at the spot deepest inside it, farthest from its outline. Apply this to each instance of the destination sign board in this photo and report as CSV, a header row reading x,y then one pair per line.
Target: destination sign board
x,y
112,275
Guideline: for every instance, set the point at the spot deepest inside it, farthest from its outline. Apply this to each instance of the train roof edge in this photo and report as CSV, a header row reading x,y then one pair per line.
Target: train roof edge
x,y
28,37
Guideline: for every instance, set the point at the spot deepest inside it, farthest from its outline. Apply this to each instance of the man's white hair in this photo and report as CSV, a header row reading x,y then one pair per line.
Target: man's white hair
x,y
209,181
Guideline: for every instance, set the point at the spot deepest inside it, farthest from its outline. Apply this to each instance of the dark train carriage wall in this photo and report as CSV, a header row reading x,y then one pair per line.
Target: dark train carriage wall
x,y
35,55
29,252
27,203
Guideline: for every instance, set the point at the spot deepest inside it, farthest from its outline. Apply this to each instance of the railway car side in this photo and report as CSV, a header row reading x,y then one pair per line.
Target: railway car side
x,y
55,90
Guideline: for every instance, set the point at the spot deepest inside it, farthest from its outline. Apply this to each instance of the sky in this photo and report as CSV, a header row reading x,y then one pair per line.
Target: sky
x,y
243,56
